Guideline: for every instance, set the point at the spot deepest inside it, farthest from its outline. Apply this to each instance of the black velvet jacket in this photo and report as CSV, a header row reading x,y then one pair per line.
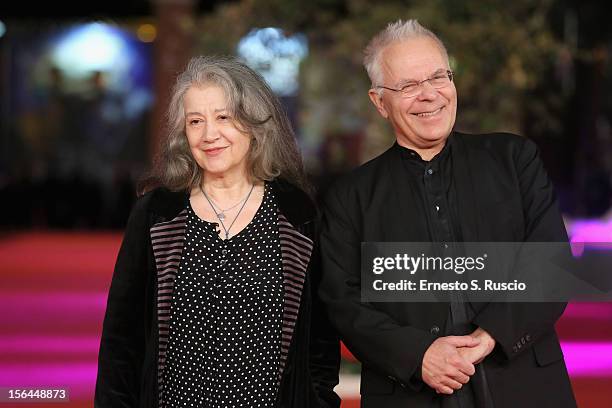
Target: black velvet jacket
x,y
503,194
129,357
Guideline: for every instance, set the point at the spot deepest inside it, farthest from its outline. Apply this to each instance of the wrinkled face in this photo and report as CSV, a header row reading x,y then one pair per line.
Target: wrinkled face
x,y
424,120
216,144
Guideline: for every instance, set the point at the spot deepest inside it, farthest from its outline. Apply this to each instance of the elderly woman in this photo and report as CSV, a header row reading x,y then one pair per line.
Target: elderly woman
x,y
212,302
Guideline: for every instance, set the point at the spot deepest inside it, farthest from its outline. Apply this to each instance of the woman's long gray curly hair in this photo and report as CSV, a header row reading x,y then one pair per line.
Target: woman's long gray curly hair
x,y
273,151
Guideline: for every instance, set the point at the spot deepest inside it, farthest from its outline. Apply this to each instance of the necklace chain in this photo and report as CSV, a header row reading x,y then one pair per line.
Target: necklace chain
x,y
218,207
221,216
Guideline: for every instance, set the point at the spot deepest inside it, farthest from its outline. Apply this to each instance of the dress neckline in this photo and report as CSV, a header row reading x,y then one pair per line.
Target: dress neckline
x,y
217,225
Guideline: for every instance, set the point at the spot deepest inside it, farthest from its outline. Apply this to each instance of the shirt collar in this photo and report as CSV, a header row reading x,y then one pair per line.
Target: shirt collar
x,y
411,154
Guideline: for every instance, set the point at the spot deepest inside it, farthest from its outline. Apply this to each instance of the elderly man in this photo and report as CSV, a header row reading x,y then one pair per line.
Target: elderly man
x,y
436,184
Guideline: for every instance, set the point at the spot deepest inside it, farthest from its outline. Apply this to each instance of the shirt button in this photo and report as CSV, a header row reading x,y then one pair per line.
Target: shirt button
x,y
430,171
434,330
224,252
437,208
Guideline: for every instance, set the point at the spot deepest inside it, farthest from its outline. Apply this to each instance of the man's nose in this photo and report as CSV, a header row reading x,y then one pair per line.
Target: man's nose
x,y
427,91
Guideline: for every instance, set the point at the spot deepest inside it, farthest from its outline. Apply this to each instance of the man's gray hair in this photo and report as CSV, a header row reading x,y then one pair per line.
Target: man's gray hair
x,y
394,32
256,111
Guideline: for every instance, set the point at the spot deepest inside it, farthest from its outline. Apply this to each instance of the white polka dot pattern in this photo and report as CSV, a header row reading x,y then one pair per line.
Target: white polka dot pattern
x,y
225,324
167,238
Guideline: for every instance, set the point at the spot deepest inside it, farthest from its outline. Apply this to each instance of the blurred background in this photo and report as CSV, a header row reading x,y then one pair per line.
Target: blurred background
x,y
83,93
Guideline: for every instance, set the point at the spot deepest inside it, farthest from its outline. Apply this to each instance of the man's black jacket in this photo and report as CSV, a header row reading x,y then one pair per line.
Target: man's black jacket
x,y
503,195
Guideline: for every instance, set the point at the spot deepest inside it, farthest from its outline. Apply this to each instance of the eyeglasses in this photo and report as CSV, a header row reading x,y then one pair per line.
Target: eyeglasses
x,y
413,88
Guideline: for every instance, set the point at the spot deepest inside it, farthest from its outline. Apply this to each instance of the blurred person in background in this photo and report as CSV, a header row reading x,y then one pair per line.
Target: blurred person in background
x,y
439,185
212,300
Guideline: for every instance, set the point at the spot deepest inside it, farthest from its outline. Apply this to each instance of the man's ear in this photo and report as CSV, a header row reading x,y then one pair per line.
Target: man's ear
x,y
376,99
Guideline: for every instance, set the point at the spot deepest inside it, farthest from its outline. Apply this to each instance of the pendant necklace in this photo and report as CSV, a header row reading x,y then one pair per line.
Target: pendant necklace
x,y
220,213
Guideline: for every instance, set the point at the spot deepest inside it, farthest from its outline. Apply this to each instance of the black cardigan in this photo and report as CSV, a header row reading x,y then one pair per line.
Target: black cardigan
x,y
129,356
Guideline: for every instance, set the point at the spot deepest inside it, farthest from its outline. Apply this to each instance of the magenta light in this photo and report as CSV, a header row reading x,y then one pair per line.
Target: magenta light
x,y
591,311
78,378
25,344
57,300
588,359
594,231
40,310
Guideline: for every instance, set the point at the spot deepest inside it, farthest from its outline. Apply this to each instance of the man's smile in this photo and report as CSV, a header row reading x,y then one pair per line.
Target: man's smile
x,y
427,114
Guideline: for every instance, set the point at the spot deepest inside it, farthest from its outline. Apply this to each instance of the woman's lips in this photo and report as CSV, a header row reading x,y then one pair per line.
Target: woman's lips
x,y
214,151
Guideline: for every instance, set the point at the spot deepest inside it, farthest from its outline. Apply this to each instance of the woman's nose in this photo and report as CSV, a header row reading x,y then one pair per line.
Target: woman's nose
x,y
211,132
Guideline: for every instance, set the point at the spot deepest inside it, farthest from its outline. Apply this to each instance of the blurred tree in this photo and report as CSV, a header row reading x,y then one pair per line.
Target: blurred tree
x,y
496,47
517,69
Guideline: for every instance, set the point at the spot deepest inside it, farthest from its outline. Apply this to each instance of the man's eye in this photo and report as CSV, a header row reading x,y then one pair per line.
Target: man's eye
x,y
195,121
409,87
223,117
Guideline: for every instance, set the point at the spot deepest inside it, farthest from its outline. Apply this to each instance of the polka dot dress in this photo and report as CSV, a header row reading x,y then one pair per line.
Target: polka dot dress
x,y
225,328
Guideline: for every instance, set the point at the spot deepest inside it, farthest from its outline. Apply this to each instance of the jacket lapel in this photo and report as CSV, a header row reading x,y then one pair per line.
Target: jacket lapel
x,y
402,217
167,239
467,199
296,250
296,210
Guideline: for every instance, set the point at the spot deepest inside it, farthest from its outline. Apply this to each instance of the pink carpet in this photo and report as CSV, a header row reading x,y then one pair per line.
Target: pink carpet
x,y
53,296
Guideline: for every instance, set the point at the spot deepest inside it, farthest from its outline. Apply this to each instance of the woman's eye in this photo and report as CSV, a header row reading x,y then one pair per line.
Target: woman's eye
x,y
223,117
194,121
